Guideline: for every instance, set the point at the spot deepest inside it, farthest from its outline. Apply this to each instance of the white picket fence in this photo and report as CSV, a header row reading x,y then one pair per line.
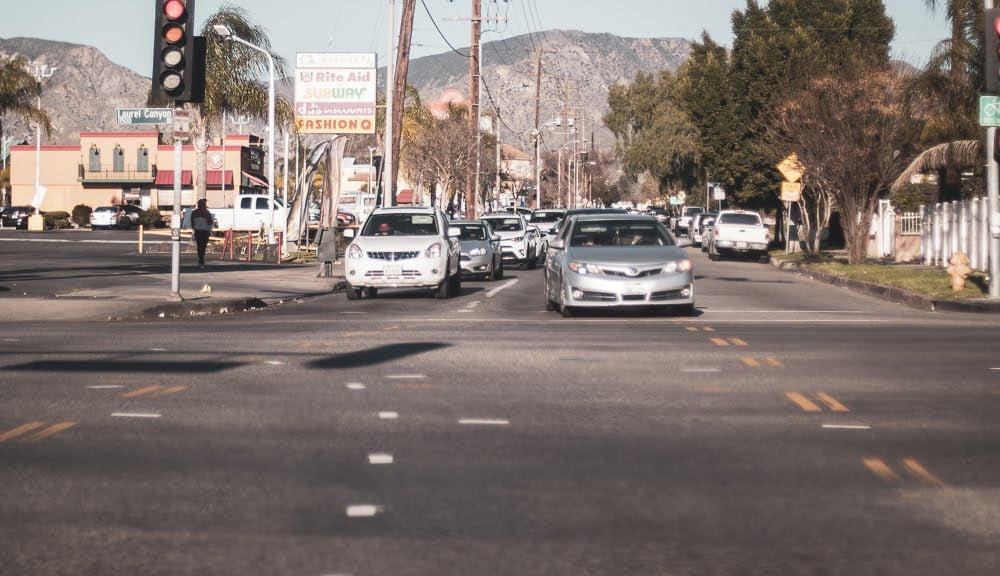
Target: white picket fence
x,y
949,227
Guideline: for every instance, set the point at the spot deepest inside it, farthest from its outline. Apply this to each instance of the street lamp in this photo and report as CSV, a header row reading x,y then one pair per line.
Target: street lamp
x,y
576,177
41,71
224,31
559,175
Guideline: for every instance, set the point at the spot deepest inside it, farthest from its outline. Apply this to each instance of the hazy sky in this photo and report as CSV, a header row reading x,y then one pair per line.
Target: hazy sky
x,y
123,29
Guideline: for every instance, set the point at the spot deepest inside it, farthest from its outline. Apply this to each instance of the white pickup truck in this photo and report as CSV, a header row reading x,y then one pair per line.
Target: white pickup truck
x,y
739,232
250,212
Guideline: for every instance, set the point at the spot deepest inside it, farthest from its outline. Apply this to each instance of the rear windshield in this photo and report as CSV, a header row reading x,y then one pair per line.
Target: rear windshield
x,y
505,224
740,219
543,216
400,224
618,233
472,232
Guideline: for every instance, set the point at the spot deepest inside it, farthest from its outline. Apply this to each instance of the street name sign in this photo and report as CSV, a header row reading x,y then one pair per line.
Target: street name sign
x,y
131,116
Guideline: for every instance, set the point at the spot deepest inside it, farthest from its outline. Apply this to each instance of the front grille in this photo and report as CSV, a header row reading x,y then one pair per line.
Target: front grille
x,y
402,274
622,274
392,256
633,297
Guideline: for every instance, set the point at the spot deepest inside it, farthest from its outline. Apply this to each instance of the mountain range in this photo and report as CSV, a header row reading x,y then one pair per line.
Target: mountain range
x,y
576,70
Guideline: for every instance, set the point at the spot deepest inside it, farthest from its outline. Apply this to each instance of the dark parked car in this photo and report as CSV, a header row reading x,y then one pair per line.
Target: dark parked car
x,y
16,216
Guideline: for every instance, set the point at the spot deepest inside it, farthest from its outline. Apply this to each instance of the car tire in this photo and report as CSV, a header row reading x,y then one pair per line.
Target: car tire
x,y
353,293
531,263
550,305
443,290
492,276
456,285
500,270
566,311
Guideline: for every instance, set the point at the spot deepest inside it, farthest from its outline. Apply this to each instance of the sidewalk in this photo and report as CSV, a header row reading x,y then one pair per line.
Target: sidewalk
x,y
222,286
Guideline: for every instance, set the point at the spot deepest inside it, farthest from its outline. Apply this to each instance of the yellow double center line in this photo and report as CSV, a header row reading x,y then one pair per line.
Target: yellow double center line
x,y
808,405
24,429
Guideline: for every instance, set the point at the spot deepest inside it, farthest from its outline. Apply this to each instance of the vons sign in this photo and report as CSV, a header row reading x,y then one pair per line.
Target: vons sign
x,y
335,93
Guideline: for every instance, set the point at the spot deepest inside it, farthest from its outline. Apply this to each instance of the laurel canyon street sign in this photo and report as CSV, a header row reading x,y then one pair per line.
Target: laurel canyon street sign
x,y
144,115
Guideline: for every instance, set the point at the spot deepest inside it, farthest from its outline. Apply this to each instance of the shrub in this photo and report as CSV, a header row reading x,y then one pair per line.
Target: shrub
x,y
56,219
81,215
151,219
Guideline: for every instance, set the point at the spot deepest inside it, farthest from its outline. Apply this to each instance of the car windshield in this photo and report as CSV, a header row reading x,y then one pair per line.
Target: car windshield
x,y
618,233
400,224
471,232
505,224
740,219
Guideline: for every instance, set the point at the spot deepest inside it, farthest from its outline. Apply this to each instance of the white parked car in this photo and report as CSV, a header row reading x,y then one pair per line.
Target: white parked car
x,y
404,247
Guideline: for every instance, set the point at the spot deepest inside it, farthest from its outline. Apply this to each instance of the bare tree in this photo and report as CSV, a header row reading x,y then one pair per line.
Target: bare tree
x,y
853,133
440,153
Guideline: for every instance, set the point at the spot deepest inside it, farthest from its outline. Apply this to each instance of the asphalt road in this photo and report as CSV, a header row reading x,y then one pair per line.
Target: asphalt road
x,y
789,427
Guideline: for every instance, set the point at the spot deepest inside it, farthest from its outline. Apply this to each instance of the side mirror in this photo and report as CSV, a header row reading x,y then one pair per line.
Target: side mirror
x,y
494,238
557,244
454,231
348,232
683,242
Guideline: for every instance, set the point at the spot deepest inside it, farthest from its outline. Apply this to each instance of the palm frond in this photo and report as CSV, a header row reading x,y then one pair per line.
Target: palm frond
x,y
965,153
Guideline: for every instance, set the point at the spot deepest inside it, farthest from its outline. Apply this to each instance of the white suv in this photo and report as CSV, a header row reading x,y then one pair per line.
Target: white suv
x,y
404,248
517,242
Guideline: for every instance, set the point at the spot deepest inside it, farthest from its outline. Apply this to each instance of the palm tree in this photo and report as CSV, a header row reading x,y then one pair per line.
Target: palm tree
x,y
18,92
233,83
950,84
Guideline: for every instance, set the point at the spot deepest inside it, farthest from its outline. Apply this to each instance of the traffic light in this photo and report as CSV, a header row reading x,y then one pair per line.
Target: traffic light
x,y
178,55
991,48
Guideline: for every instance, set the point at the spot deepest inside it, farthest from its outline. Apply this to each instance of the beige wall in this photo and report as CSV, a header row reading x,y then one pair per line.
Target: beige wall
x,y
60,171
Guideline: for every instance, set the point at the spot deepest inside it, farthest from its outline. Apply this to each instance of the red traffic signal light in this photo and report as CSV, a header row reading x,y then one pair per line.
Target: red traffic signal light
x,y
178,56
991,49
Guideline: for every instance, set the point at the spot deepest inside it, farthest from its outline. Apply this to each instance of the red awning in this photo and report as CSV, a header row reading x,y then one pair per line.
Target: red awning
x,y
405,197
165,178
253,180
214,178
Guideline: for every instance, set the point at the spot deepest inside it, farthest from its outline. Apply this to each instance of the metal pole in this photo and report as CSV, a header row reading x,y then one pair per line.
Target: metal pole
x,y
175,227
993,193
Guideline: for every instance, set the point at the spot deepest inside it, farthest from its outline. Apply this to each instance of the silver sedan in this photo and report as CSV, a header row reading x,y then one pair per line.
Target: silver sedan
x,y
604,261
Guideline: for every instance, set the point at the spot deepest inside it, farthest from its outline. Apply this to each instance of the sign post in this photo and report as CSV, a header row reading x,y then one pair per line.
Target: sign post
x,y
791,191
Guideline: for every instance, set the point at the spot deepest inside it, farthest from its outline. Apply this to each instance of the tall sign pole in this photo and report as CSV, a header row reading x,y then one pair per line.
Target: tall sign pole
x,y
991,70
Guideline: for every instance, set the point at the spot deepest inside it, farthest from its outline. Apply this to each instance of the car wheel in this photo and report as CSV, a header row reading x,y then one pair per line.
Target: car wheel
x,y
352,292
500,270
531,264
550,306
765,258
492,276
566,311
456,285
443,290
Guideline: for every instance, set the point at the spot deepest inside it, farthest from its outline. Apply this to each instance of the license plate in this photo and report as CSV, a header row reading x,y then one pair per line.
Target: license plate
x,y
741,244
393,271
633,289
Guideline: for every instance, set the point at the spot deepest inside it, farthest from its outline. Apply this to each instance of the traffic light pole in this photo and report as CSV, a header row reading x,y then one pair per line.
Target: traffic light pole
x,y
175,227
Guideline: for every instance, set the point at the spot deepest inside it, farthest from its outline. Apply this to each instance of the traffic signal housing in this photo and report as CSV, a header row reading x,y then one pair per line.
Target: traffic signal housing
x,y
991,49
178,55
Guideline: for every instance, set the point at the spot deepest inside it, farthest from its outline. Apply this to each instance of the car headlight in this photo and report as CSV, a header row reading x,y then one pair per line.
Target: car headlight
x,y
433,251
518,239
677,266
355,252
584,268
477,252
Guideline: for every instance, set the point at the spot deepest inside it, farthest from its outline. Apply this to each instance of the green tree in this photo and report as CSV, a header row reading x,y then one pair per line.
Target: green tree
x,y
654,132
19,91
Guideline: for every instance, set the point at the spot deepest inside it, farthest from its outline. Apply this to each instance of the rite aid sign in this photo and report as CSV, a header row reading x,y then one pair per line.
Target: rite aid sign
x,y
335,93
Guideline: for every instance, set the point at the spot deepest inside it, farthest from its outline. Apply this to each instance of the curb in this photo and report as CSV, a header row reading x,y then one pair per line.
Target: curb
x,y
890,293
193,308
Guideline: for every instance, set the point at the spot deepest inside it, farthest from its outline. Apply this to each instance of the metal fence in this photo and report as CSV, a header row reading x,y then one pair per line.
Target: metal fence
x,y
951,227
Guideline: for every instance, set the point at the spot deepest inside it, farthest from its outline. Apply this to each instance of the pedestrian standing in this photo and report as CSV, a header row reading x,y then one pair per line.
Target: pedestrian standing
x,y
202,223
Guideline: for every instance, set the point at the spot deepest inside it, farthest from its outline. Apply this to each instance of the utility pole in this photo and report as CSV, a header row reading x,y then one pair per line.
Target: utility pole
x,y
472,181
399,88
387,159
538,133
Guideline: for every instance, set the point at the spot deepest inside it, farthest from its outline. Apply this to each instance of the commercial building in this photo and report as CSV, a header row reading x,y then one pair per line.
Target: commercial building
x,y
132,168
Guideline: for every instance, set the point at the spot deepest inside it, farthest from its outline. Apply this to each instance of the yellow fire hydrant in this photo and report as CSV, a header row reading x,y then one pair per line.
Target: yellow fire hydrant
x,y
959,270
